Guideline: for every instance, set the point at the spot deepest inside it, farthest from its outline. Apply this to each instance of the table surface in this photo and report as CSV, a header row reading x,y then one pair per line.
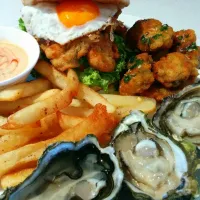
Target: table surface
x,y
180,14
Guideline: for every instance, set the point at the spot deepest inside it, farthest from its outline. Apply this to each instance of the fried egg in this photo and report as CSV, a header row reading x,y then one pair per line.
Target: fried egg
x,y
67,21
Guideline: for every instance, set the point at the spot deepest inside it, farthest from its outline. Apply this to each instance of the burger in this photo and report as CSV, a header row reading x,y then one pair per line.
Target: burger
x,y
79,34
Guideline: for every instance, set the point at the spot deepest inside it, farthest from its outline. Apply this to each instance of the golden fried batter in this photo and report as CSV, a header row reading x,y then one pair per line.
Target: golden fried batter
x,y
185,42
150,35
67,56
172,70
98,47
139,76
183,39
194,57
158,92
102,55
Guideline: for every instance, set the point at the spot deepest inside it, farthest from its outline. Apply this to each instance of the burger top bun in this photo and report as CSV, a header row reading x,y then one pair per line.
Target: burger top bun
x,y
120,3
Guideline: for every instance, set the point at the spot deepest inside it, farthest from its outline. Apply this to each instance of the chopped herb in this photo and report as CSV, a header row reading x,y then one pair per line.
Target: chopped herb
x,y
127,78
21,25
192,47
137,63
155,37
164,27
145,40
180,37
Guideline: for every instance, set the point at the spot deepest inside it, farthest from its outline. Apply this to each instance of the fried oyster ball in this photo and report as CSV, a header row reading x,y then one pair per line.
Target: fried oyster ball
x,y
183,39
150,35
172,70
139,76
185,42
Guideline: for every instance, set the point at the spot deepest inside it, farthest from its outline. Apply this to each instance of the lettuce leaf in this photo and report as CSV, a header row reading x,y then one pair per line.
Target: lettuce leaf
x,y
21,25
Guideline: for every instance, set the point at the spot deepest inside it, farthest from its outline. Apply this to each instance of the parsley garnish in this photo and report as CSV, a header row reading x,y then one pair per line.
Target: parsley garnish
x,y
21,25
137,63
145,40
155,37
180,37
127,78
164,27
192,47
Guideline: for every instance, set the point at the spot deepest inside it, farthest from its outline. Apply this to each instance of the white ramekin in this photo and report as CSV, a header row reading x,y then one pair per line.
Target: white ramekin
x,y
26,42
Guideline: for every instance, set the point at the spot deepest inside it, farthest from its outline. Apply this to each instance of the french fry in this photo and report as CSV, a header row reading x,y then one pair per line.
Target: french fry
x,y
85,93
23,130
93,98
3,120
67,121
124,111
58,79
98,123
141,103
39,110
7,108
14,141
78,112
80,104
15,178
22,90
51,124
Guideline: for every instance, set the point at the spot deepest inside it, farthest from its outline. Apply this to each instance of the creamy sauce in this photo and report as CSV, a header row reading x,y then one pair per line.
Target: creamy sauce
x,y
13,60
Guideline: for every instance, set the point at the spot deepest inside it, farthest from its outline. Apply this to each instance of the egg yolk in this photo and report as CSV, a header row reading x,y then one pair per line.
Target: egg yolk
x,y
77,12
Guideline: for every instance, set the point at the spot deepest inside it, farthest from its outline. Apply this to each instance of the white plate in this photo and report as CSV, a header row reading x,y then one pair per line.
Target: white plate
x,y
10,13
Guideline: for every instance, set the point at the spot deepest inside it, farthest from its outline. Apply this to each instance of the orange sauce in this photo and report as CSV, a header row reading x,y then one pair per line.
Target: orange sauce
x,y
13,60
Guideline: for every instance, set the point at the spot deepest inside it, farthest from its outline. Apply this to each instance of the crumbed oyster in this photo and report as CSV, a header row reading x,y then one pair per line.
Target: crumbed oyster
x,y
179,115
69,171
155,167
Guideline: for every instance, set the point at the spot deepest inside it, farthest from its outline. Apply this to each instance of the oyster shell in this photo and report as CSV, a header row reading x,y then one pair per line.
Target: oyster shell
x,y
179,115
154,165
79,171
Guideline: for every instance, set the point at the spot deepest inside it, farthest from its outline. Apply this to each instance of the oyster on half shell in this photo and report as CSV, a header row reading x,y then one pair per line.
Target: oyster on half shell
x,y
179,115
155,167
69,171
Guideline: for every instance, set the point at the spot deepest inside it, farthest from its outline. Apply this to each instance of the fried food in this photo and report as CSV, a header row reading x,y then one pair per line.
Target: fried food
x,y
59,79
3,120
158,92
172,70
194,57
139,76
93,98
67,121
150,35
185,42
23,90
98,123
183,39
97,47
101,55
8,108
48,106
65,57
15,178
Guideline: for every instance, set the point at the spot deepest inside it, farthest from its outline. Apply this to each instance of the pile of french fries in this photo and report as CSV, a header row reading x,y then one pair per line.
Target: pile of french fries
x,y
52,109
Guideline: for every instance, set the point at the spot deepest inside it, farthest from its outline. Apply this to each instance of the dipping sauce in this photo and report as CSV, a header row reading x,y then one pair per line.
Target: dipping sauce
x,y
13,60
